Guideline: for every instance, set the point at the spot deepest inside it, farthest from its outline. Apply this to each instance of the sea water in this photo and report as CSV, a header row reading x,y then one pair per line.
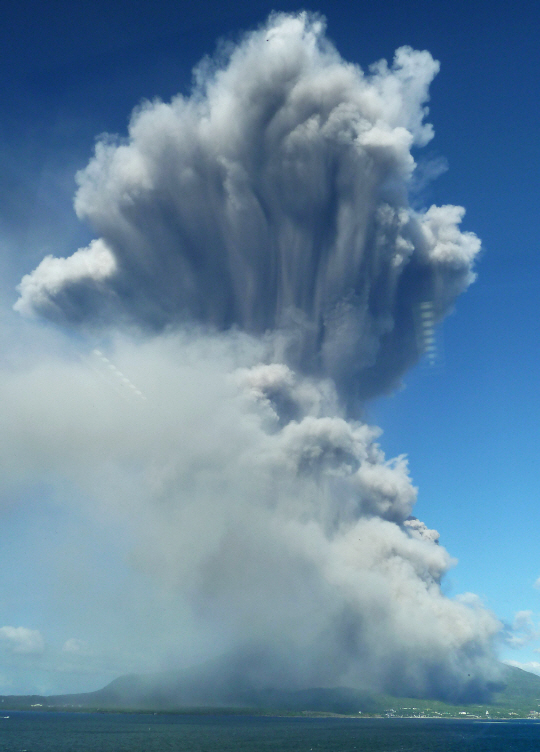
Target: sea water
x,y
108,732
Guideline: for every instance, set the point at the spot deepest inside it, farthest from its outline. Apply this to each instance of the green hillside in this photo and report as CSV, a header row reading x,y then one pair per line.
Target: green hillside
x,y
194,691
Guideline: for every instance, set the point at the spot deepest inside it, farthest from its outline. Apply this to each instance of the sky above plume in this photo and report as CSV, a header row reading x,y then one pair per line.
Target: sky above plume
x,y
269,358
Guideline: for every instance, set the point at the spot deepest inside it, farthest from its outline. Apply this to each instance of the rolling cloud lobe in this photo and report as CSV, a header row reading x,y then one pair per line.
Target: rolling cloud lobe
x,y
273,198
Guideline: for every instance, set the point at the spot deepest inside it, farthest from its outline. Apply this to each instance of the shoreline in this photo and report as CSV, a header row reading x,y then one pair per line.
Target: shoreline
x,y
258,713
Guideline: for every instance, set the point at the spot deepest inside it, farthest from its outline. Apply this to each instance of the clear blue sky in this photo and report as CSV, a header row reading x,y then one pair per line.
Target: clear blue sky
x,y
470,426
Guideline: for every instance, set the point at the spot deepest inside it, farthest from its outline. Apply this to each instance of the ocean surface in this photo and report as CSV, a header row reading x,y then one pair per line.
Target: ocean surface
x,y
107,732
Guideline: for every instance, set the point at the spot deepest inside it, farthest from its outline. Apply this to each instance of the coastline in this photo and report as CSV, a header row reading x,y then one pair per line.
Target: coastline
x,y
266,713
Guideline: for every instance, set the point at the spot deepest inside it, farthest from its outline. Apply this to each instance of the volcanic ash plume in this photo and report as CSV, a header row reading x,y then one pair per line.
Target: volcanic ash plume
x,y
257,234
273,198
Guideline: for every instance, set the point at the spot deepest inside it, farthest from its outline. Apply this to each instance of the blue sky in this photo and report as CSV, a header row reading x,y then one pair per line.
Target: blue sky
x,y
469,425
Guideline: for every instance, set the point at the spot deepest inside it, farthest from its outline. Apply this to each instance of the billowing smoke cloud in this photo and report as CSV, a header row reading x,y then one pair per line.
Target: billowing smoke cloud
x,y
261,516
259,234
273,198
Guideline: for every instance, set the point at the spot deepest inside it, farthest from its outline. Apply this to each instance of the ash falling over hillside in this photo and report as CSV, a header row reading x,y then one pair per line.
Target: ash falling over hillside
x,y
257,238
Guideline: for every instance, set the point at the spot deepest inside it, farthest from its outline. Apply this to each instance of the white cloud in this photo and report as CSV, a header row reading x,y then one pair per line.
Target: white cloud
x,y
523,630
73,646
523,620
22,640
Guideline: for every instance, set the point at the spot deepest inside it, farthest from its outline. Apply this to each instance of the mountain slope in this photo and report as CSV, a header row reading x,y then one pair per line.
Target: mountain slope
x,y
208,687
